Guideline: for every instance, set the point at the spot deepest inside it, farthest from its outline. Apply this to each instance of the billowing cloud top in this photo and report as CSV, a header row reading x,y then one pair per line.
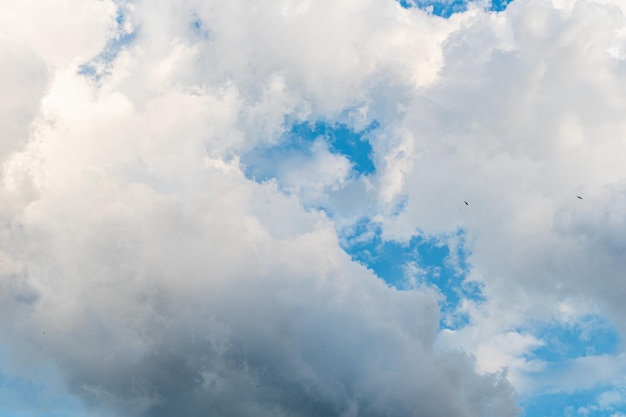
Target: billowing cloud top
x,y
145,272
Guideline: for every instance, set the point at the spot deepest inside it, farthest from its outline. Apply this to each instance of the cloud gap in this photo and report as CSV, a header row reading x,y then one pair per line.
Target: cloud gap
x,y
446,9
124,35
421,262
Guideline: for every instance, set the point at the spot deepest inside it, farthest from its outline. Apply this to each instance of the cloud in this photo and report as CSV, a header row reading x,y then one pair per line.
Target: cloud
x,y
168,282
526,113
23,79
139,260
587,373
610,399
60,34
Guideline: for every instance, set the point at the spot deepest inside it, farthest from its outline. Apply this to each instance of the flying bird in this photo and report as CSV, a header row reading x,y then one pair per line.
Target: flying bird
x,y
466,203
579,197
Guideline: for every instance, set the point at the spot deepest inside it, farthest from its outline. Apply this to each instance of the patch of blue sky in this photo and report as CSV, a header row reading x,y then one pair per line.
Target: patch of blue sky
x,y
589,336
33,397
561,404
584,403
342,140
565,343
421,261
448,8
199,28
499,5
263,163
563,386
111,50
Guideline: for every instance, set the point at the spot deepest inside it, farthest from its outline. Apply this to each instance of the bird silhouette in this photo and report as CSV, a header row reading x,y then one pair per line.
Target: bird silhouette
x,y
466,203
579,197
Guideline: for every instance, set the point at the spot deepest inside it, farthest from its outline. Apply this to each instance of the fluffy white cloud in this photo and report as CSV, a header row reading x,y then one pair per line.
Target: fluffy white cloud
x,y
60,33
137,258
23,78
162,279
165,280
527,113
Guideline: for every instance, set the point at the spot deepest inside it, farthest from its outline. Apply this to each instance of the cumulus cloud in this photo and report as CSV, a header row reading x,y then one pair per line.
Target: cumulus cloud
x,y
138,259
527,113
166,281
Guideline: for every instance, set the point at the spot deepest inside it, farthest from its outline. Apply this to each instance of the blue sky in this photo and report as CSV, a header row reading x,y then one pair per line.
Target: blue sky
x,y
312,208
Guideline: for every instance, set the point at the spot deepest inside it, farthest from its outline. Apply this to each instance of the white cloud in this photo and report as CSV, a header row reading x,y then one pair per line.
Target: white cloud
x,y
610,399
526,114
60,33
23,77
129,230
138,259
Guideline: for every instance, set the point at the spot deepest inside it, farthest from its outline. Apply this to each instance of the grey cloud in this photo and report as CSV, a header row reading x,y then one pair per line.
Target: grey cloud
x,y
168,284
184,298
532,119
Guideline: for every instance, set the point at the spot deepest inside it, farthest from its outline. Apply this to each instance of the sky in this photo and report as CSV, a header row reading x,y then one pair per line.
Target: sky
x,y
312,208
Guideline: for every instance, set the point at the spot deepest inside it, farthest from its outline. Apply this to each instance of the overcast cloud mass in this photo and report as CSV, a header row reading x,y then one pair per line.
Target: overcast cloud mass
x,y
174,243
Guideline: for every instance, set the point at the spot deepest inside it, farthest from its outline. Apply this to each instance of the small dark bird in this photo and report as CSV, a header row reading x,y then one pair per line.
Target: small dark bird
x,y
579,197
466,203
